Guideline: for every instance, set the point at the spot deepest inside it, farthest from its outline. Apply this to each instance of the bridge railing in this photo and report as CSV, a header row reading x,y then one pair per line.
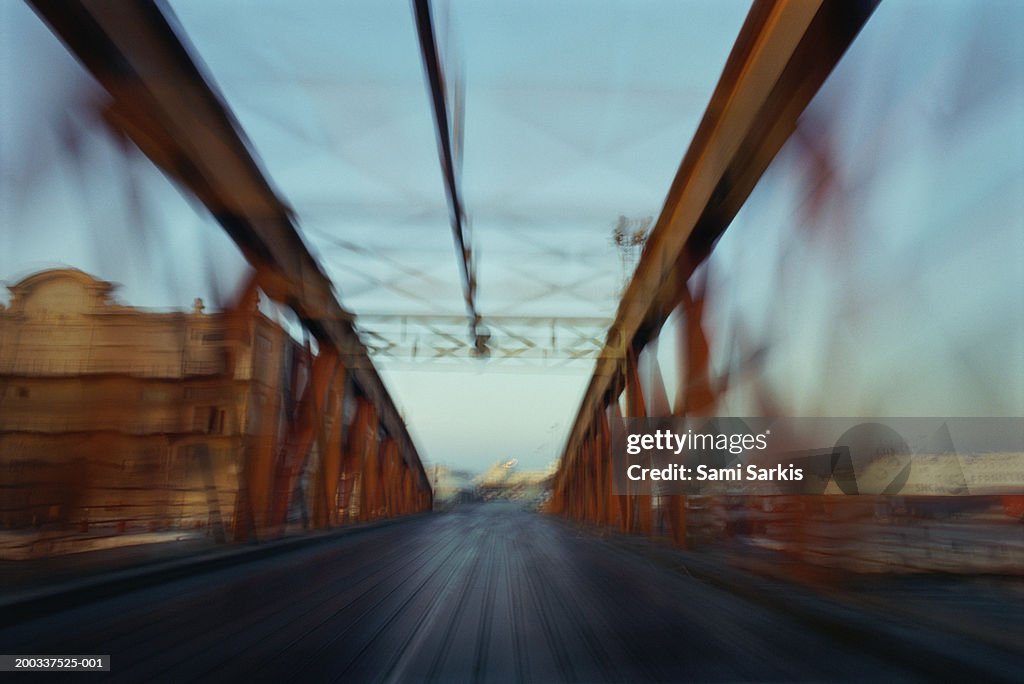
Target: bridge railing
x,y
796,271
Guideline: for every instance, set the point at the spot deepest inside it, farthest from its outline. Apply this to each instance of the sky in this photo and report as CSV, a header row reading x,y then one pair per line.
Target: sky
x,y
576,113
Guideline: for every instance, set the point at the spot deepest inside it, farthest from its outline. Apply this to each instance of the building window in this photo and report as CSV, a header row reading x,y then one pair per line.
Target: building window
x,y
216,422
209,419
206,337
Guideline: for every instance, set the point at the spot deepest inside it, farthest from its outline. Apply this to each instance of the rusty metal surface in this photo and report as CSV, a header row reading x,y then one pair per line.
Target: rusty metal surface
x,y
783,54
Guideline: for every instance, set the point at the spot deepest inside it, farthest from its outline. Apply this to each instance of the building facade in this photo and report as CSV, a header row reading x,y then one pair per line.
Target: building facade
x,y
116,419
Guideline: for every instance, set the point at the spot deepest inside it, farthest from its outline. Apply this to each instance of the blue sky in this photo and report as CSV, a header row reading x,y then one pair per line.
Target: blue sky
x,y
575,113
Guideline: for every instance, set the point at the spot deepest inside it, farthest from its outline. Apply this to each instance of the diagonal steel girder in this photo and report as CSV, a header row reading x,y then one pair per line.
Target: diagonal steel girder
x,y
784,52
435,78
163,102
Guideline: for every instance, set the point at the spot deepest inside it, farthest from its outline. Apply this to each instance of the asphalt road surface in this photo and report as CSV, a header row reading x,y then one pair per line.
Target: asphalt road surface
x,y
483,593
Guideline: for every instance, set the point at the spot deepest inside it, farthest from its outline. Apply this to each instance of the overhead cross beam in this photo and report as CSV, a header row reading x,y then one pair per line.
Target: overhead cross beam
x,y
785,51
163,102
428,337
435,78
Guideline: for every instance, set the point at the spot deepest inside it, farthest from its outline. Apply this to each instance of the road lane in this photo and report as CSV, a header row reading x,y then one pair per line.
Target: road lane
x,y
482,593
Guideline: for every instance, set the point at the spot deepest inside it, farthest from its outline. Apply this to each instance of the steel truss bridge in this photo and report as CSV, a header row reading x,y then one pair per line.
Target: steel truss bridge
x,y
380,588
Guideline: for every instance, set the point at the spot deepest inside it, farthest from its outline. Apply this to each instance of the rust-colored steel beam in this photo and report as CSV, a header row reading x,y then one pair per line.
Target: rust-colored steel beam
x,y
784,52
636,407
609,510
307,426
162,101
369,498
328,475
363,428
697,394
391,467
259,451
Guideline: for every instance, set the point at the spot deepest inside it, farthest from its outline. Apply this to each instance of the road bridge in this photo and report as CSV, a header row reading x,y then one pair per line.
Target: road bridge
x,y
235,492
484,592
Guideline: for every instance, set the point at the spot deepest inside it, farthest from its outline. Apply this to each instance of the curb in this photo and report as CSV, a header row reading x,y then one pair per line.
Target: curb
x,y
40,602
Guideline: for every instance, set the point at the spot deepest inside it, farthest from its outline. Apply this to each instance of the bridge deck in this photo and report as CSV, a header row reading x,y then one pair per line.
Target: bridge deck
x,y
486,592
